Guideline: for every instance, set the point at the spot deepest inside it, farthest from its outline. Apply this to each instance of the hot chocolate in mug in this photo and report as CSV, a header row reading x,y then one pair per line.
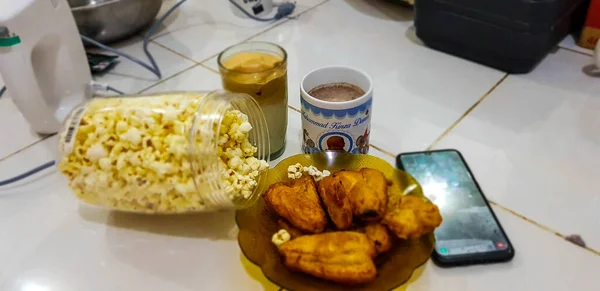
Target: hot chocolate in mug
x,y
329,125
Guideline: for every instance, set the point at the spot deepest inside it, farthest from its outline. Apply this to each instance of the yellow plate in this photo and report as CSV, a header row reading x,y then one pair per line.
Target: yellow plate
x,y
394,268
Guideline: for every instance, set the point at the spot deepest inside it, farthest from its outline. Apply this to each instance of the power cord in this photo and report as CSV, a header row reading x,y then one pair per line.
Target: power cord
x,y
27,174
153,67
283,10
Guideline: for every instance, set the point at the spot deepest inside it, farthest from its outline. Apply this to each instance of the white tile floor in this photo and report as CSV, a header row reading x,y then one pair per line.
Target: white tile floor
x,y
533,142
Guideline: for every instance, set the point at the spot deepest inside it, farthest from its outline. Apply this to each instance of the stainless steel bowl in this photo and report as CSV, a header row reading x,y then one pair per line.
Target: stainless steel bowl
x,y
112,20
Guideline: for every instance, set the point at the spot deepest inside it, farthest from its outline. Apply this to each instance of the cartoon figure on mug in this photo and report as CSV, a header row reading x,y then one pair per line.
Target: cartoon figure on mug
x,y
362,142
308,144
336,143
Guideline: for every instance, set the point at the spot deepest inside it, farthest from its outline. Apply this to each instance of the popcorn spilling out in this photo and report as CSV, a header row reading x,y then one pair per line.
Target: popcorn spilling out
x,y
295,172
281,237
134,154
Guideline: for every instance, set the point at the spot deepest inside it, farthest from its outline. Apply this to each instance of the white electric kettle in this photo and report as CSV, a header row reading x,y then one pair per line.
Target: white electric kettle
x,y
42,61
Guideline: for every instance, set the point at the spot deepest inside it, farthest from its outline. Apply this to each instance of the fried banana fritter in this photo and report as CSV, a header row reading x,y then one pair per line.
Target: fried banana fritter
x,y
336,201
344,257
370,201
380,237
298,202
354,194
413,218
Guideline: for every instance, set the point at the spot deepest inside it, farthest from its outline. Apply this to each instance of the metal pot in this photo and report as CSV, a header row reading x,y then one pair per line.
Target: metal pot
x,y
112,20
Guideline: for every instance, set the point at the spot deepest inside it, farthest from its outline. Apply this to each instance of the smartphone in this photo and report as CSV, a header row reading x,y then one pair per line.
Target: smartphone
x,y
470,232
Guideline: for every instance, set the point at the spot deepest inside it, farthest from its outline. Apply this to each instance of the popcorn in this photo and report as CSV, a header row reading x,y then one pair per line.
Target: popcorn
x,y
96,152
132,135
295,172
105,164
281,237
318,175
134,154
245,127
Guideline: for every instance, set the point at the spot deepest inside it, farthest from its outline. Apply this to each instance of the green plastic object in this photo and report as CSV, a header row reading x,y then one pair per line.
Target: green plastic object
x,y
10,41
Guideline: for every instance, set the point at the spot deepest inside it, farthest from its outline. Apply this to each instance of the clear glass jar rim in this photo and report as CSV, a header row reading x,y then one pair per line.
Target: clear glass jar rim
x,y
282,63
206,157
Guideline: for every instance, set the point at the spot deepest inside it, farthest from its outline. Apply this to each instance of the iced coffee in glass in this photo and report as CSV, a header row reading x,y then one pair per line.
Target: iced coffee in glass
x,y
259,69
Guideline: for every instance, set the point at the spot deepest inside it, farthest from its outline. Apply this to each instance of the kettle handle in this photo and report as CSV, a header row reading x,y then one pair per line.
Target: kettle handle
x,y
25,92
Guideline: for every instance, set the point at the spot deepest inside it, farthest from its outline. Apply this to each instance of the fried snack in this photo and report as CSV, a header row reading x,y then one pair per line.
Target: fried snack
x,y
336,201
413,218
379,235
298,202
294,232
343,257
369,199
359,194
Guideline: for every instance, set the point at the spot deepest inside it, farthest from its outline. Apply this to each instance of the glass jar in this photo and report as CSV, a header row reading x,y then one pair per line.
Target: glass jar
x,y
166,153
259,69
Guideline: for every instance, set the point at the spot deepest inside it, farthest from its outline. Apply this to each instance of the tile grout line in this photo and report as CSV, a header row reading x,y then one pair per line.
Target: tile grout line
x,y
294,108
173,51
214,55
202,62
543,227
245,40
510,211
210,69
382,150
288,19
371,145
266,30
576,51
169,78
444,134
449,129
27,147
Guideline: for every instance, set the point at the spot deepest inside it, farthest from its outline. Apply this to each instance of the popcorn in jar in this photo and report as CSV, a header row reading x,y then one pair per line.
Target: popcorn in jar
x,y
166,153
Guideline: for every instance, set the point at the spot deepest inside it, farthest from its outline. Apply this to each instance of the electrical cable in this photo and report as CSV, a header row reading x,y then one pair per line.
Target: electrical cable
x,y
283,10
27,174
109,88
153,67
154,70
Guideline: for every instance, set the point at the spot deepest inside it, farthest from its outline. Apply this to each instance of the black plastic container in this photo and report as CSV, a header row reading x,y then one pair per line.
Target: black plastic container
x,y
510,35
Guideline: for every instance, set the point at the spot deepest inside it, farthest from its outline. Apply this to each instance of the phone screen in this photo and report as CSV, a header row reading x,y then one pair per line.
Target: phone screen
x,y
469,227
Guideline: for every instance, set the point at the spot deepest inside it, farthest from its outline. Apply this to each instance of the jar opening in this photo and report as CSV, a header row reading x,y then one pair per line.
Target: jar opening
x,y
205,151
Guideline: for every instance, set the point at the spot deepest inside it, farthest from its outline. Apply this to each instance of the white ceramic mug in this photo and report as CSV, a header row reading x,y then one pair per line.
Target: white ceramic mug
x,y
336,125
